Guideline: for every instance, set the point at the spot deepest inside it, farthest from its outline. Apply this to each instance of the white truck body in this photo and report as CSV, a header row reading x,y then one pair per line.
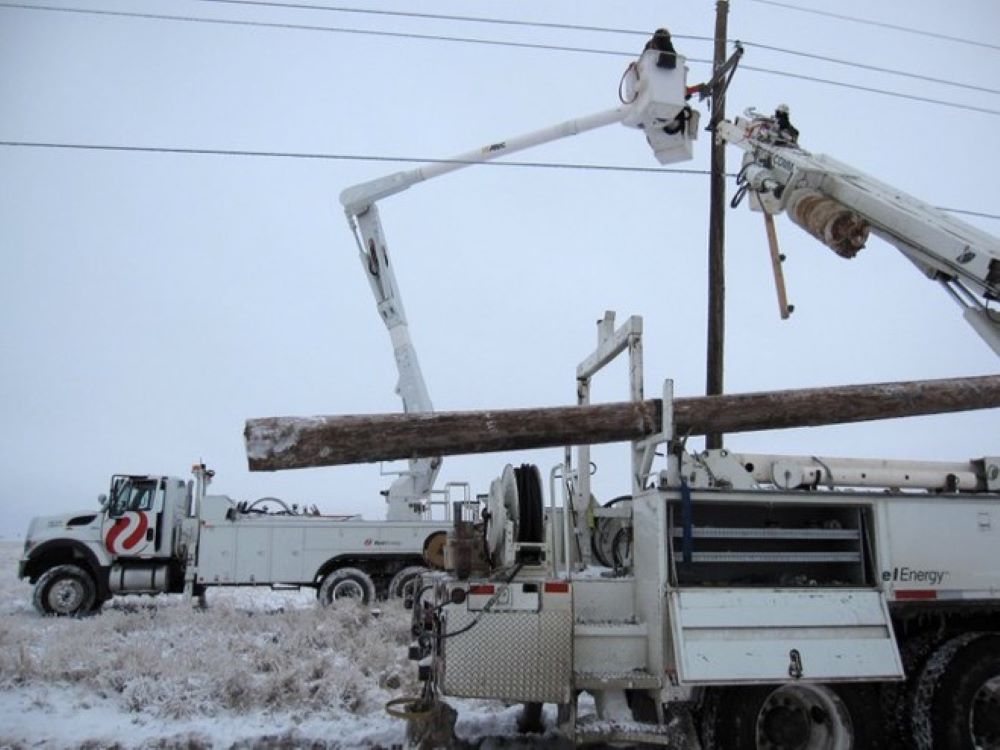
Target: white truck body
x,y
796,585
782,601
160,534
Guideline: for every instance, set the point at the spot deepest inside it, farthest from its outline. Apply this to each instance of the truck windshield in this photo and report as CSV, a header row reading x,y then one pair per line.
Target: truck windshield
x,y
131,493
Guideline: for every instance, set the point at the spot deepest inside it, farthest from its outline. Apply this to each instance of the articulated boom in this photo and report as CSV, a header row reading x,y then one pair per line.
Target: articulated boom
x,y
655,104
407,493
839,205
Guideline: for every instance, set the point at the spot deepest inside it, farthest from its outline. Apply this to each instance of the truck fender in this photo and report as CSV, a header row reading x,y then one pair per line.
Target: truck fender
x,y
55,552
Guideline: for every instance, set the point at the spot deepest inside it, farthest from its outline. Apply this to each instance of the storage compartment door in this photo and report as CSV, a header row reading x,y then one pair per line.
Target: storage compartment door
x,y
777,635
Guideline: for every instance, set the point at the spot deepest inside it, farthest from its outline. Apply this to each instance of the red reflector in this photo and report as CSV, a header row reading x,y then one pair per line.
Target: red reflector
x,y
917,594
481,588
557,587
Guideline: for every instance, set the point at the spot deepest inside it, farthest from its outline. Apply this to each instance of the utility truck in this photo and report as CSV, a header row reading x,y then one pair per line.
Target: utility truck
x,y
760,601
162,534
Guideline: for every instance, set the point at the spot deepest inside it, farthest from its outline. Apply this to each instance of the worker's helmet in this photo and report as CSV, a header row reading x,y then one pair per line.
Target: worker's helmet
x,y
783,108
662,31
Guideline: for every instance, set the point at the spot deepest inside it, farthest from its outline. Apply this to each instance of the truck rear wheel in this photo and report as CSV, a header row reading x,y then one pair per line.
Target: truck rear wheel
x,y
65,591
793,716
401,585
346,584
897,698
962,710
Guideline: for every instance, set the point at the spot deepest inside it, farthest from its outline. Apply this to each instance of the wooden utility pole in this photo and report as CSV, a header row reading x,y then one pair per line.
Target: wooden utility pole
x,y
298,442
717,225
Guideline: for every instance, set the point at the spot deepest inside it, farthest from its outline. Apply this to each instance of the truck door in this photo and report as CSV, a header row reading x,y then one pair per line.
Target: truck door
x,y
132,525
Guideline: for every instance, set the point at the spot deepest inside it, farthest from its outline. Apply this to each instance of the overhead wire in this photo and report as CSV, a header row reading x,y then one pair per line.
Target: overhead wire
x,y
871,89
391,159
597,29
476,40
873,68
504,43
881,24
344,157
448,17
309,27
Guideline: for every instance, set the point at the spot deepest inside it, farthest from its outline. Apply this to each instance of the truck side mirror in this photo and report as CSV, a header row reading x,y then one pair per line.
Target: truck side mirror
x,y
102,500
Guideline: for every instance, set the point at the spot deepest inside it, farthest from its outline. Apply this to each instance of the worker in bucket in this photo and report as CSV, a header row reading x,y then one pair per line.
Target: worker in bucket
x,y
662,43
786,131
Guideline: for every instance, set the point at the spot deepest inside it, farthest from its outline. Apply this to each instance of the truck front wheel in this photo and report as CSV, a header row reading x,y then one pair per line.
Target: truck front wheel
x,y
794,715
65,591
346,583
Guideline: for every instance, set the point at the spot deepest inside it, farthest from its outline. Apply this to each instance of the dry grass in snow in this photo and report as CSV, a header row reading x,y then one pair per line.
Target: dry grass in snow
x,y
255,668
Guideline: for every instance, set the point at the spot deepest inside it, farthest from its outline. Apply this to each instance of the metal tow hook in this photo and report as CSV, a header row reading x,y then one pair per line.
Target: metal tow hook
x,y
794,664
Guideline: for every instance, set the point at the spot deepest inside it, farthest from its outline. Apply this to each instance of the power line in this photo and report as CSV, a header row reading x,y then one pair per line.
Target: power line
x,y
981,214
869,22
393,159
475,40
343,157
448,17
872,89
599,29
875,68
307,27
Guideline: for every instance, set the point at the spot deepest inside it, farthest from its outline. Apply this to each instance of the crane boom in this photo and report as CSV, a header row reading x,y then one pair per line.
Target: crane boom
x,y
840,205
655,99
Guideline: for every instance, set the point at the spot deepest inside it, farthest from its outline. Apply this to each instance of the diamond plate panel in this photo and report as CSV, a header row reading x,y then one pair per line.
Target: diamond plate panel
x,y
515,656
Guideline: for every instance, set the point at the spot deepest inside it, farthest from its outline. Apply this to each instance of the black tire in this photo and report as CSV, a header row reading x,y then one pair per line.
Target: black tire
x,y
792,715
401,585
897,697
65,591
346,584
965,708
926,688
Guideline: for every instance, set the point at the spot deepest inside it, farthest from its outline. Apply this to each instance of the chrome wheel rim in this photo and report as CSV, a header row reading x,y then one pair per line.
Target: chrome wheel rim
x,y
65,596
984,718
803,717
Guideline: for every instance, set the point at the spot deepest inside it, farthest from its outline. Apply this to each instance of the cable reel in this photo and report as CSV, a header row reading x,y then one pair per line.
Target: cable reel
x,y
514,502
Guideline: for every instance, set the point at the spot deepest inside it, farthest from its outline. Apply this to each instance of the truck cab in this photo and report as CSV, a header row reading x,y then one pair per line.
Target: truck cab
x,y
77,561
144,516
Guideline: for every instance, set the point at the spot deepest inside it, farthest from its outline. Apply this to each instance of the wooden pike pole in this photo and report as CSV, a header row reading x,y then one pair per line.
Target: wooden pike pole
x,y
776,260
274,443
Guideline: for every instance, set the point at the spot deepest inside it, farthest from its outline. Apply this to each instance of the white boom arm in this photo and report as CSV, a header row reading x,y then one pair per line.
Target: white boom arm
x,y
839,205
656,104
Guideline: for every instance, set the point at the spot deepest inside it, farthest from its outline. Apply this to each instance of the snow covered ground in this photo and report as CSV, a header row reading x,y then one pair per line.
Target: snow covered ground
x,y
256,669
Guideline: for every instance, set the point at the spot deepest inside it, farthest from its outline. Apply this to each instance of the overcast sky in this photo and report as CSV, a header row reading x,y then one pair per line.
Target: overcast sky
x,y
151,302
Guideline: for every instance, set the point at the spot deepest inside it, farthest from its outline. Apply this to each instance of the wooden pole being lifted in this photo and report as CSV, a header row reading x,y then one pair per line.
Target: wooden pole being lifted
x,y
298,442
